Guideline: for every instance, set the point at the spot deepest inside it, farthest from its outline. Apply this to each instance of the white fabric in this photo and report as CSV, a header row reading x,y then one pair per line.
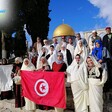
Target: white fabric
x,y
78,49
71,49
96,63
57,46
18,59
96,89
91,45
38,60
77,76
64,52
47,47
96,94
29,105
52,58
39,47
4,53
30,66
32,54
5,77
58,109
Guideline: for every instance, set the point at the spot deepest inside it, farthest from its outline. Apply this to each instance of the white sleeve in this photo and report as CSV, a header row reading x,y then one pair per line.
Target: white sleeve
x,y
104,76
90,44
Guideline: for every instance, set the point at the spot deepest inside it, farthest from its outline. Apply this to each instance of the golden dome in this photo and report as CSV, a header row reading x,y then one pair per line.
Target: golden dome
x,y
63,30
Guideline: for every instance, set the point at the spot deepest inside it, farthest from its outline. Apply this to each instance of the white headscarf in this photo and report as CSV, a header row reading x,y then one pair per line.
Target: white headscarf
x,y
72,69
18,59
78,49
59,61
29,67
40,65
97,65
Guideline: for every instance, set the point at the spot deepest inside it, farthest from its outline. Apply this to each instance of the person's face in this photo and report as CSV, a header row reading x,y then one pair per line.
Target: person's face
x,y
63,39
97,45
52,49
38,39
4,61
43,50
33,50
63,48
90,62
45,42
70,41
94,34
77,58
43,60
108,31
80,44
59,57
78,36
54,40
17,62
26,62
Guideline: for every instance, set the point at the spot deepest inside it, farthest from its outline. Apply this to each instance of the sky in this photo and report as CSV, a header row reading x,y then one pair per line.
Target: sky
x,y
81,15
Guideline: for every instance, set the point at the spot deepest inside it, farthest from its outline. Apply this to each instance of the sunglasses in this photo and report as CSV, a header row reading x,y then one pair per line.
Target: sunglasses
x,y
59,55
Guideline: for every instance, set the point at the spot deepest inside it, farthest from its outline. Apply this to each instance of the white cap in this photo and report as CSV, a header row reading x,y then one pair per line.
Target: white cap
x,y
94,31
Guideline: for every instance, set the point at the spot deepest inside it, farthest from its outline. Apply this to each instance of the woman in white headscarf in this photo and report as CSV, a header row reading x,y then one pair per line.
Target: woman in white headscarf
x,y
51,56
59,66
96,79
81,49
27,65
43,53
77,77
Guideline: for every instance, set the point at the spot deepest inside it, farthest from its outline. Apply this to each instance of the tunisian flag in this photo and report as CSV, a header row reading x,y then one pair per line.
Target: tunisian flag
x,y
46,88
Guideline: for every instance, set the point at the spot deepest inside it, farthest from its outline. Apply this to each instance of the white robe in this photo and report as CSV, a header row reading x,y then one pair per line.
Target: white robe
x,y
96,93
29,105
38,60
79,85
39,48
47,47
52,58
78,49
71,49
64,56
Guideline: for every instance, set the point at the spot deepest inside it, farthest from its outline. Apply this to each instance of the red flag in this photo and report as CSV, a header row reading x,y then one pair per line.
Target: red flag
x,y
46,88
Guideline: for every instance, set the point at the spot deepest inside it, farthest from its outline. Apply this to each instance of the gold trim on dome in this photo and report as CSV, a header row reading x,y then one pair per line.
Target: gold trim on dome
x,y
63,30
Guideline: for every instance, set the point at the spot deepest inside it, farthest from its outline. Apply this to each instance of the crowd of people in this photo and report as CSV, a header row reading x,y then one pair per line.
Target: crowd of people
x,y
87,68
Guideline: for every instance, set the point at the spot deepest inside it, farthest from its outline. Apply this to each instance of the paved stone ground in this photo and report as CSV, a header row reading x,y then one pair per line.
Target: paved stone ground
x,y
9,105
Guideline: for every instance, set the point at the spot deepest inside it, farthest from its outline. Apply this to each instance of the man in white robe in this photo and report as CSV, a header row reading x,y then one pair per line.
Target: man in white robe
x,y
70,47
38,45
93,39
46,44
77,77
67,57
56,45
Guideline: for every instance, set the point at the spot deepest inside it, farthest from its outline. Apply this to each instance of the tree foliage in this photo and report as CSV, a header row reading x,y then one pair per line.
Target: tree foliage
x,y
33,13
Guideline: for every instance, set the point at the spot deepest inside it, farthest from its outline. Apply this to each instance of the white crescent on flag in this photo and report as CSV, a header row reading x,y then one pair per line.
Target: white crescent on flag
x,y
41,87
